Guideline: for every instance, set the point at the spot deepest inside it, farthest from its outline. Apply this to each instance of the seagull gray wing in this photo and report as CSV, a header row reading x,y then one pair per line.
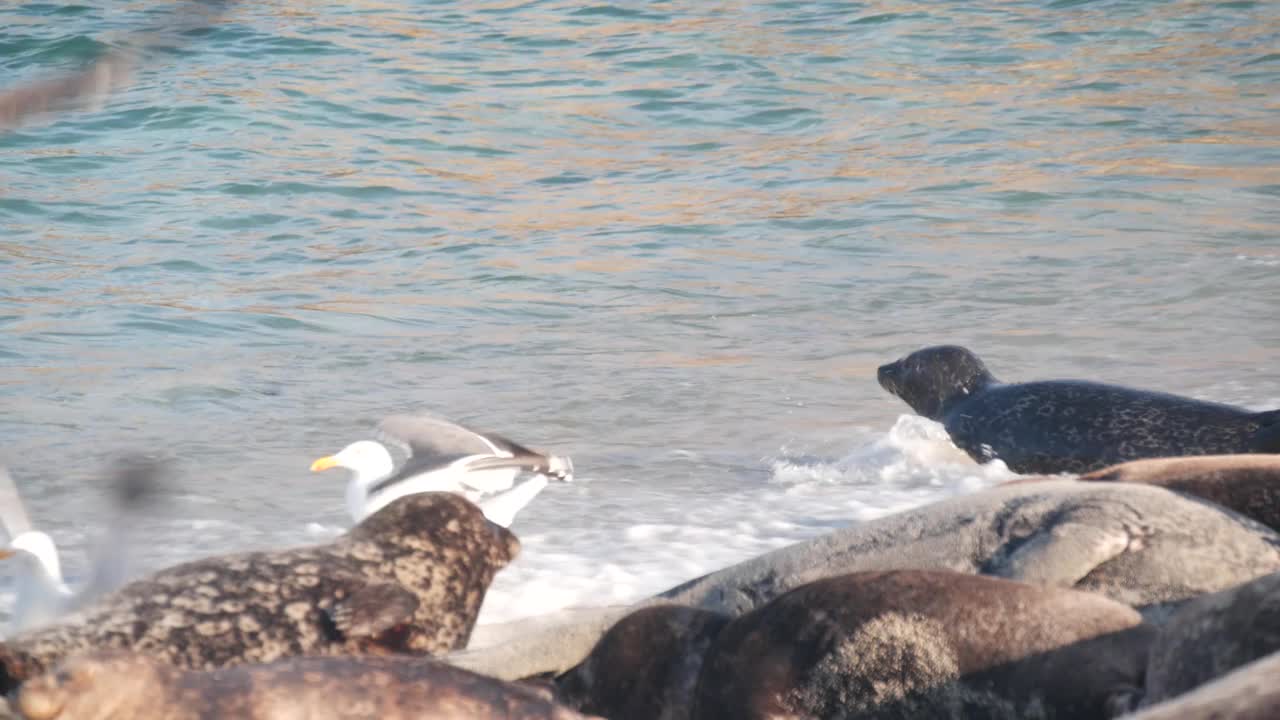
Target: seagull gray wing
x,y
431,437
13,514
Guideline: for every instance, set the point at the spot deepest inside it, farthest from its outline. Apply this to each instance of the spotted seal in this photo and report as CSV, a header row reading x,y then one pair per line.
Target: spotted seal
x,y
409,579
122,686
924,644
1059,426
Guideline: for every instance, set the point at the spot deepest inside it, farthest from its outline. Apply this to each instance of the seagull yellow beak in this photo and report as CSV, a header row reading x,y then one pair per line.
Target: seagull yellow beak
x,y
5,553
325,463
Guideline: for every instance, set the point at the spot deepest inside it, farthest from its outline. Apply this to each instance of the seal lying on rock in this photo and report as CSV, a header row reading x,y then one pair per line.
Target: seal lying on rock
x,y
925,644
1250,692
646,667
1214,634
1140,545
124,686
410,579
1058,426
1248,484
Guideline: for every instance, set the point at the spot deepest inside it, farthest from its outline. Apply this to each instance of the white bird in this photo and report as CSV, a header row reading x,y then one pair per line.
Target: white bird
x,y
41,594
443,457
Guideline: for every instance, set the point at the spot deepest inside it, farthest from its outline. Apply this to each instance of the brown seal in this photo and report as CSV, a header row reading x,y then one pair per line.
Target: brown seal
x,y
1214,634
410,578
1248,484
926,644
645,667
122,686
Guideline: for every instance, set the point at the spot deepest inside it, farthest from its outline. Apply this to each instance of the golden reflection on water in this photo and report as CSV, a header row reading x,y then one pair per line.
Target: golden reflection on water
x,y
961,144
855,140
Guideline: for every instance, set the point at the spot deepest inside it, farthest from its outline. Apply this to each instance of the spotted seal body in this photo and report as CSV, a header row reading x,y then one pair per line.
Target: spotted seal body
x,y
124,686
645,667
925,645
409,579
1059,426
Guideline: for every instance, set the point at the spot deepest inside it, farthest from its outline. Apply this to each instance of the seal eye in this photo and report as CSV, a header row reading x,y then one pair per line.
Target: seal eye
x,y
62,677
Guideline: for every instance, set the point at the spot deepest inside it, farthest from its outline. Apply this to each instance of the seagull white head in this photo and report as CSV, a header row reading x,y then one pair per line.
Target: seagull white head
x,y
38,550
369,461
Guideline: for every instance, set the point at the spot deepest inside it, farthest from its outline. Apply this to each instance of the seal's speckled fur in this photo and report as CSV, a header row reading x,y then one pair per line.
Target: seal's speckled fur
x,y
124,686
410,578
1059,426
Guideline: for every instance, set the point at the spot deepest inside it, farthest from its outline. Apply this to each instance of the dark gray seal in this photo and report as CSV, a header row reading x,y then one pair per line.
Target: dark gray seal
x,y
1067,426
1248,484
1213,635
920,645
125,686
646,667
1250,692
1140,545
409,579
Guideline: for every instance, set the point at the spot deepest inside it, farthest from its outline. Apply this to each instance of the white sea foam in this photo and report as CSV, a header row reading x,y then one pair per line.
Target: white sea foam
x,y
801,497
638,539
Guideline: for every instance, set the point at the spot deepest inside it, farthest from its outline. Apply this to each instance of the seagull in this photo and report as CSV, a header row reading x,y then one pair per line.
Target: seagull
x,y
443,457
41,594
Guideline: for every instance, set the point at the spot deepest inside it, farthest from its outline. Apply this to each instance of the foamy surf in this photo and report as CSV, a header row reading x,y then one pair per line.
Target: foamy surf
x,y
609,563
637,546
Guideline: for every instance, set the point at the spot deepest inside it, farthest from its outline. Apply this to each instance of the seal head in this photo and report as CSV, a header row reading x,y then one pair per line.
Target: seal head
x,y
646,667
933,379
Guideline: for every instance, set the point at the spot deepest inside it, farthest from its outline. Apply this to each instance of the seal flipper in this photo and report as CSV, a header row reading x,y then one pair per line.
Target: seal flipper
x,y
372,610
1267,438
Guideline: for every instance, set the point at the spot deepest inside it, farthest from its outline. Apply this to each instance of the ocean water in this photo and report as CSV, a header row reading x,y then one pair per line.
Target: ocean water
x,y
671,239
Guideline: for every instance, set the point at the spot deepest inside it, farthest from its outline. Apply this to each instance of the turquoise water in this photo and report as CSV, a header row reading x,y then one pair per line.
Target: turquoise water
x,y
672,239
